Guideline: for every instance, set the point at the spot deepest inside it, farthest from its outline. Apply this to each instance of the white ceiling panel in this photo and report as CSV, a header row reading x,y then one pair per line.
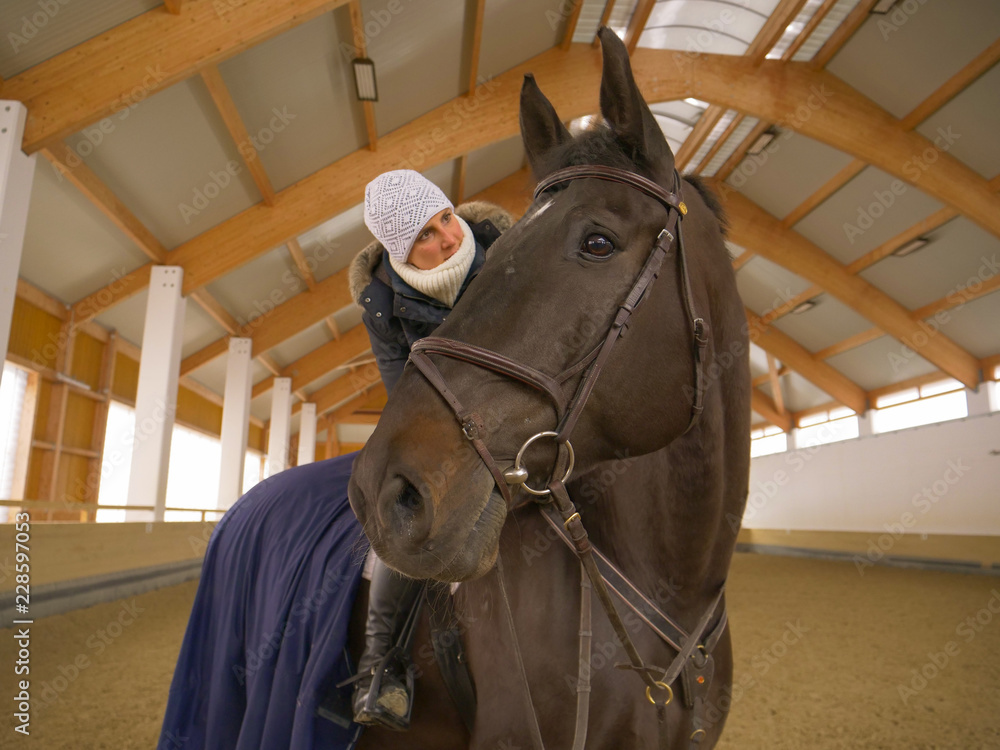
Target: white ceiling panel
x,y
327,378
333,244
969,123
789,171
212,374
712,26
128,318
864,213
295,94
71,249
959,254
975,325
517,30
489,165
171,161
765,285
444,175
260,407
800,394
758,361
898,60
881,363
590,17
35,31
418,58
829,322
298,346
347,317
257,287
200,329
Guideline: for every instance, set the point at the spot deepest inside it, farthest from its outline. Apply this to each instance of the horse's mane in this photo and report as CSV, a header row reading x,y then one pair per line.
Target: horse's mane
x,y
599,145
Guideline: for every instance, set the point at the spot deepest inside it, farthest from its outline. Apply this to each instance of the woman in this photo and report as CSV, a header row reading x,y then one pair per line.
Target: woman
x,y
425,254
267,633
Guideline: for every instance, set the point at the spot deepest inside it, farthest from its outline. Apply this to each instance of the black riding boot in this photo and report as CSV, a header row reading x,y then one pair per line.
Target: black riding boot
x,y
390,600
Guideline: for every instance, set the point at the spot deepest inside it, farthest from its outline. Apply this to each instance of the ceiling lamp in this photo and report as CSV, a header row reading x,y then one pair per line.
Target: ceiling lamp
x,y
910,247
809,304
762,141
883,6
364,79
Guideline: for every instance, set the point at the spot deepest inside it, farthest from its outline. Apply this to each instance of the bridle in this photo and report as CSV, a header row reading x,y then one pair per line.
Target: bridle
x,y
693,648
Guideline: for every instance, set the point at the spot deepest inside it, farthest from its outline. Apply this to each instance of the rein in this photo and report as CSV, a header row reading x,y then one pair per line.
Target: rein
x,y
694,658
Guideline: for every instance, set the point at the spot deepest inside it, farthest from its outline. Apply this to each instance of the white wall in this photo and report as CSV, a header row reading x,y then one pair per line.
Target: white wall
x,y
940,478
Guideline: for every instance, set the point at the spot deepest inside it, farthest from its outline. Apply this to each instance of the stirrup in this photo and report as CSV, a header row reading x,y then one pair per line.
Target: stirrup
x,y
375,713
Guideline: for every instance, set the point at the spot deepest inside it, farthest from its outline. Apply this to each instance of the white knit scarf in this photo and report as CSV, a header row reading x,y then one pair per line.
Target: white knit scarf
x,y
444,282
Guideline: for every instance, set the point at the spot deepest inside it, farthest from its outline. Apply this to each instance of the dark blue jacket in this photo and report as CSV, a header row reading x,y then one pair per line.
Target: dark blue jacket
x,y
397,315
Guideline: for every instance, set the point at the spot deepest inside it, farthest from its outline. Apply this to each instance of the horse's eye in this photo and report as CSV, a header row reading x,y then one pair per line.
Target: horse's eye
x,y
598,246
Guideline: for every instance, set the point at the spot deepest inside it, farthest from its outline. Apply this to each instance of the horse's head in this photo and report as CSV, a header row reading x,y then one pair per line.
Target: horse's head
x,y
545,298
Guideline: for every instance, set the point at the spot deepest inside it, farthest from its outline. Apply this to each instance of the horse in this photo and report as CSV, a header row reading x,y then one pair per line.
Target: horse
x,y
601,357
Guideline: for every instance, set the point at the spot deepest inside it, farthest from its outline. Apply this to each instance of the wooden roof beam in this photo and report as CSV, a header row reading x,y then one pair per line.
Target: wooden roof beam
x,y
751,226
123,66
238,131
767,409
842,118
320,361
637,23
794,355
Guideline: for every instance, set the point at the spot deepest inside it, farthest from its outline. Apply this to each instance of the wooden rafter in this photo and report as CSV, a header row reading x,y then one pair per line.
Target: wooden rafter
x,y
719,143
609,7
776,395
795,356
174,6
767,409
320,361
299,258
214,308
766,377
92,80
843,33
361,46
463,162
237,131
766,91
571,22
753,227
284,321
344,388
69,165
828,188
477,40
637,23
331,324
808,29
773,28
702,129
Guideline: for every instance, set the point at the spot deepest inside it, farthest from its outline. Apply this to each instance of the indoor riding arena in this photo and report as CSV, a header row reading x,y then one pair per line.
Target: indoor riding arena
x,y
815,480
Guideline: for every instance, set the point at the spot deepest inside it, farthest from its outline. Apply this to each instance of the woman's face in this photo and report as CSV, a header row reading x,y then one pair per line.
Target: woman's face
x,y
438,240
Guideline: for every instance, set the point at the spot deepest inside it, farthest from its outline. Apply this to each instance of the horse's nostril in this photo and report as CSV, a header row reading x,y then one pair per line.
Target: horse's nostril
x,y
409,498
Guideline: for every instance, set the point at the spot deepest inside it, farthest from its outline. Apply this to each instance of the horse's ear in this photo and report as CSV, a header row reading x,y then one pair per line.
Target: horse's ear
x,y
541,128
624,109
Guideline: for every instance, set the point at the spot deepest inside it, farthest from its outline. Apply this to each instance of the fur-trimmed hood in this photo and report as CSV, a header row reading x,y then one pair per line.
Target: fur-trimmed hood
x,y
364,264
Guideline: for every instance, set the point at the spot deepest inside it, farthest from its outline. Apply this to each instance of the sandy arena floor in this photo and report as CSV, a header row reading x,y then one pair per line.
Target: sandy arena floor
x,y
825,659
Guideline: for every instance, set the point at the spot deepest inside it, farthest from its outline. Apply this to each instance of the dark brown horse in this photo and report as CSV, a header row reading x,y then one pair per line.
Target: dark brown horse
x,y
654,486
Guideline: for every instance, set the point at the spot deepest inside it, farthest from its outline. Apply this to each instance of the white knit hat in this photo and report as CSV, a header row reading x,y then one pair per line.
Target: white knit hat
x,y
397,206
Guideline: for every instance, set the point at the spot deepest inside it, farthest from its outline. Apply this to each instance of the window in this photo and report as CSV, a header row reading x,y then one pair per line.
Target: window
x,y
827,426
13,385
767,440
938,401
193,474
117,463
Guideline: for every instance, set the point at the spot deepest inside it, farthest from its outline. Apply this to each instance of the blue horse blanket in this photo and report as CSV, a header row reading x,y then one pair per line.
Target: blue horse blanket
x,y
268,630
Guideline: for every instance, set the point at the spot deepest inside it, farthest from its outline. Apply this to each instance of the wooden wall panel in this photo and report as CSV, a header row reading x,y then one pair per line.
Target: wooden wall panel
x,y
198,412
87,355
255,438
126,380
79,426
34,334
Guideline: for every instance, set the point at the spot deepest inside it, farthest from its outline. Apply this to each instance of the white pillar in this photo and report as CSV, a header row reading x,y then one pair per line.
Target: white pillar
x,y
978,400
278,432
792,439
307,434
865,424
156,395
235,421
17,172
